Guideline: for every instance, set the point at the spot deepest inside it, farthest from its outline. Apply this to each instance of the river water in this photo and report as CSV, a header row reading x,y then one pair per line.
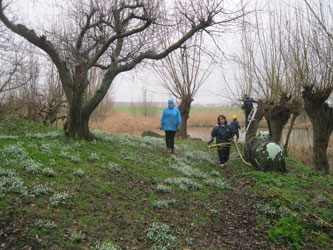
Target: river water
x,y
297,137
302,137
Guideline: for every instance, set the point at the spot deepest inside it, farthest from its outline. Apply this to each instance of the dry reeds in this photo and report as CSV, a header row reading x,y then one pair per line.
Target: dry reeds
x,y
301,153
209,119
117,122
304,154
121,123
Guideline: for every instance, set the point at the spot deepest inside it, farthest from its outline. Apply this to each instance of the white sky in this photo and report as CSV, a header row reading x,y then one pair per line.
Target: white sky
x,y
130,87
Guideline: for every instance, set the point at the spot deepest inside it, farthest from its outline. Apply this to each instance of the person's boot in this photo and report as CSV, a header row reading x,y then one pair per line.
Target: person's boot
x,y
173,151
169,150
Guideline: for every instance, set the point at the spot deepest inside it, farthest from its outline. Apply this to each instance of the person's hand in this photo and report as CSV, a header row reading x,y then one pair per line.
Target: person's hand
x,y
210,141
161,128
178,129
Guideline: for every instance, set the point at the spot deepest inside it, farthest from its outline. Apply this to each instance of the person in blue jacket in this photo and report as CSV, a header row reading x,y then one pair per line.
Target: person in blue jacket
x,y
170,123
223,134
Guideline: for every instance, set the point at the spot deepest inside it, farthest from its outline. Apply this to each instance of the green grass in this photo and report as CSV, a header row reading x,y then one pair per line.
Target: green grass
x,y
301,204
111,200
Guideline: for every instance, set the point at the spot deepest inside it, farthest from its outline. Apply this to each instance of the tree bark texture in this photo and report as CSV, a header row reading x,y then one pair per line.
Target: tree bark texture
x,y
278,119
184,109
286,143
277,116
321,117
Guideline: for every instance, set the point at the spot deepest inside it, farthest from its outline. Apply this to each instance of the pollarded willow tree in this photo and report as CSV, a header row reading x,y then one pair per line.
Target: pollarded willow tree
x,y
266,73
114,36
313,63
182,73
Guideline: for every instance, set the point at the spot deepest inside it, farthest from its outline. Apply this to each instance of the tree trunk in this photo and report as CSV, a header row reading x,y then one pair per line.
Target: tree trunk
x,y
252,130
321,117
278,119
321,136
77,124
184,109
290,129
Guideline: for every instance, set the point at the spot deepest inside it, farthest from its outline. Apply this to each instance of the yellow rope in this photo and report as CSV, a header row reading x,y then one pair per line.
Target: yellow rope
x,y
219,145
240,155
236,146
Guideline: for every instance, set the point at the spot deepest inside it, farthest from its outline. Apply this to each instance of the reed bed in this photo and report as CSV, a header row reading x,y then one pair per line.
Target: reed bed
x,y
135,124
121,123
304,153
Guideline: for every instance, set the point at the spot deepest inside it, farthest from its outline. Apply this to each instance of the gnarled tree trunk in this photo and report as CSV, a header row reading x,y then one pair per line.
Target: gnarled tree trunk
x,y
321,117
184,109
76,125
277,119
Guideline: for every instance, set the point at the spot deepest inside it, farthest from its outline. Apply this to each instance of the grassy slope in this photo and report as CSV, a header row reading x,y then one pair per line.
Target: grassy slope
x,y
113,195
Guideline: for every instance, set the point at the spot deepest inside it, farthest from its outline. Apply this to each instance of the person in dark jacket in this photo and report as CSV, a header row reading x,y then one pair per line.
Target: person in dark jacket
x,y
170,123
223,134
247,107
234,125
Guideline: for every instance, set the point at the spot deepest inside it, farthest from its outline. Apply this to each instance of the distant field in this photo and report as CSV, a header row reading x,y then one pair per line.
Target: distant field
x,y
136,110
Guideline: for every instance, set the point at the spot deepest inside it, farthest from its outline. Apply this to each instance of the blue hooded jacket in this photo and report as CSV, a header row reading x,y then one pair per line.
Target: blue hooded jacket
x,y
171,119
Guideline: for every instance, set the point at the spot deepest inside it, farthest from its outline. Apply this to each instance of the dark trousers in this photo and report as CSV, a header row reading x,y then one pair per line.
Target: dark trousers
x,y
170,139
223,153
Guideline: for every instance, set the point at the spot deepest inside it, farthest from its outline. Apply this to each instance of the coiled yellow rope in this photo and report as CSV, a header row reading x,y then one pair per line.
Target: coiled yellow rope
x,y
236,146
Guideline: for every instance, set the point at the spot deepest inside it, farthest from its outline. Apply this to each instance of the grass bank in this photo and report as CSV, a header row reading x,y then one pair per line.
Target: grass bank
x,y
127,192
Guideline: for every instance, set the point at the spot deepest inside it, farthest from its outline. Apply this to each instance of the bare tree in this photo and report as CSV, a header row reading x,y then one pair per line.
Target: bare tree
x,y
182,74
41,99
114,36
314,64
51,104
14,71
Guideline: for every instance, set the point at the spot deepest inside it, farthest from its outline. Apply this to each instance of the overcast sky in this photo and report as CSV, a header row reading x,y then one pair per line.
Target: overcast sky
x,y
131,86
128,86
